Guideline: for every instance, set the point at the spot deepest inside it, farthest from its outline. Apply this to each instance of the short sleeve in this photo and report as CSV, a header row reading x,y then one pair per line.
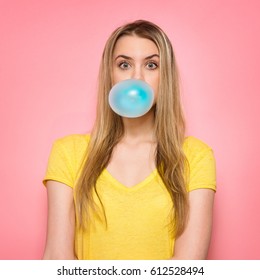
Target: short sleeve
x,y
202,165
60,164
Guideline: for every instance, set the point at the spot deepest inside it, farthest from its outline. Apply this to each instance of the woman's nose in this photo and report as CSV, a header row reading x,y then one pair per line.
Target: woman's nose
x,y
137,74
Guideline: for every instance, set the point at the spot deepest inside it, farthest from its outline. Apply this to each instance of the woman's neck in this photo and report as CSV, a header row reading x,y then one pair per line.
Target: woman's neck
x,y
139,129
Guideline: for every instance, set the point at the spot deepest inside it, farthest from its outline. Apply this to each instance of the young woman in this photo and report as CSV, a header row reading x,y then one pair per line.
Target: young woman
x,y
135,188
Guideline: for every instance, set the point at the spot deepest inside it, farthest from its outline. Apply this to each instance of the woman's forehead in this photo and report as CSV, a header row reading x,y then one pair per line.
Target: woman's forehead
x,y
134,46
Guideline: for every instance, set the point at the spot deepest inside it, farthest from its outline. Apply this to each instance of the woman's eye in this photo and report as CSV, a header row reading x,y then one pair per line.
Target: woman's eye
x,y
124,65
151,65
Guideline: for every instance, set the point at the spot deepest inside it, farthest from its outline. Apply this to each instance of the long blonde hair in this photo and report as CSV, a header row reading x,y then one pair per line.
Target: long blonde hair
x,y
108,128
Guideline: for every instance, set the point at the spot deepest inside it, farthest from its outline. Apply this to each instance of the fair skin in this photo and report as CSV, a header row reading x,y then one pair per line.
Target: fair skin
x,y
194,241
61,222
133,58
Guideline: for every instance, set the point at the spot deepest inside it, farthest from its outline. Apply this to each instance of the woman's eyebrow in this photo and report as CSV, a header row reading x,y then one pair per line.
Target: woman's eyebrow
x,y
153,55
130,58
123,56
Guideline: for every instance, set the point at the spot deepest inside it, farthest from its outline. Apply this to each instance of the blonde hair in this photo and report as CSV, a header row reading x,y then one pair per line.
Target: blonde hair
x,y
169,128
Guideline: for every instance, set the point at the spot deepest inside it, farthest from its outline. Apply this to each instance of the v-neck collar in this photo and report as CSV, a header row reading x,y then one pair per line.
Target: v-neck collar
x,y
137,186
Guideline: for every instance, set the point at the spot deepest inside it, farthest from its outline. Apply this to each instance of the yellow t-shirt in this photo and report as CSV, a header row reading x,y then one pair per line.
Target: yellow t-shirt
x,y
138,218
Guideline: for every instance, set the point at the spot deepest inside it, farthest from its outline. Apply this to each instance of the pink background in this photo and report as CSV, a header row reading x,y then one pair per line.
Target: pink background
x,y
49,57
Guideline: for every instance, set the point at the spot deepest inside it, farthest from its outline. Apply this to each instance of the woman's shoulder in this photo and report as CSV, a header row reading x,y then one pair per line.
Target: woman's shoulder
x,y
79,140
73,145
65,158
193,146
202,165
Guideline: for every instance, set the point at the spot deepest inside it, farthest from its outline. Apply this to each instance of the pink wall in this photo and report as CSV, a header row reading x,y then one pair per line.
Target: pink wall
x,y
49,57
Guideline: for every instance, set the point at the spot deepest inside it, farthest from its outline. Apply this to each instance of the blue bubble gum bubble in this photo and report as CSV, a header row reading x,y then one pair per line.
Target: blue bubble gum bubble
x,y
131,98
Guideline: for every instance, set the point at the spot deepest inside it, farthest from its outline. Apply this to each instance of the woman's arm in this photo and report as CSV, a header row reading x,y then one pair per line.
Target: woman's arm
x,y
61,222
194,241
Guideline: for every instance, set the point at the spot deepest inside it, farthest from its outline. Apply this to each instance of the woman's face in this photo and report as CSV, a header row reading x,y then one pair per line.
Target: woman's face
x,y
136,58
